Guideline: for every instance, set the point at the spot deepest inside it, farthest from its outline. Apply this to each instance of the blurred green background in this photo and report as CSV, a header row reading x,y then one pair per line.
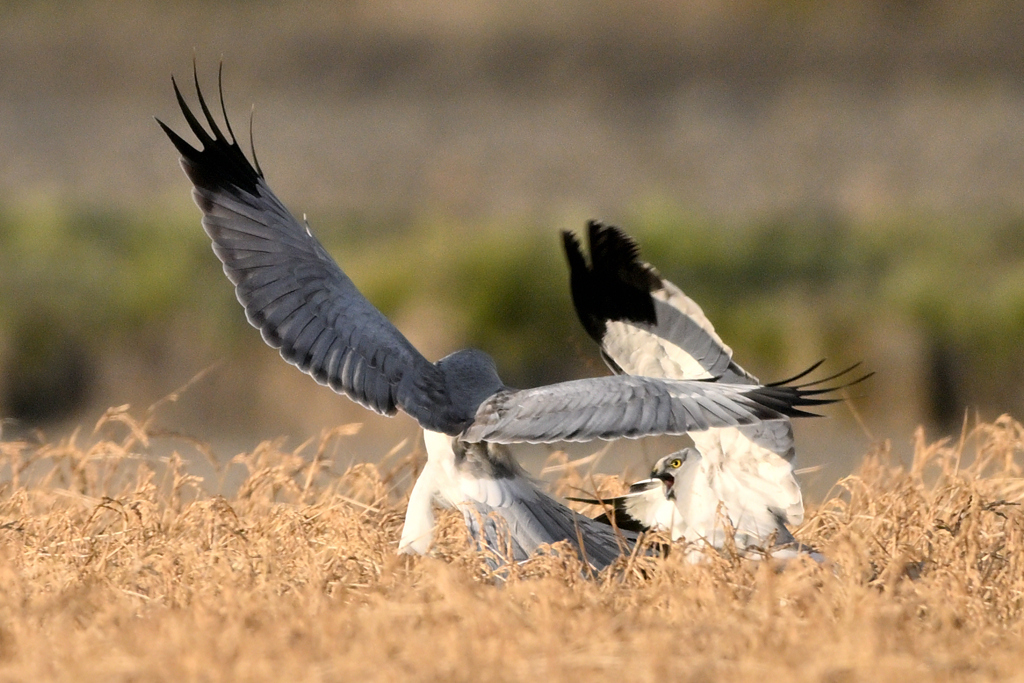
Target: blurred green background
x,y
827,179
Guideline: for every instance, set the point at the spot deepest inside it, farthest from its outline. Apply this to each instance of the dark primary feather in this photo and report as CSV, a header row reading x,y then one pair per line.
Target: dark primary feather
x,y
617,286
610,287
682,343
784,395
616,275
620,519
294,292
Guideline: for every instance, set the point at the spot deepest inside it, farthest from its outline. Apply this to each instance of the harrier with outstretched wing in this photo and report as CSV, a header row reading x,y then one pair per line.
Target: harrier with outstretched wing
x,y
307,307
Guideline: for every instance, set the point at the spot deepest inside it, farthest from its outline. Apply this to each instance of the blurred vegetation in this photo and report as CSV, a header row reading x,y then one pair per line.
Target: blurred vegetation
x,y
78,285
75,285
853,170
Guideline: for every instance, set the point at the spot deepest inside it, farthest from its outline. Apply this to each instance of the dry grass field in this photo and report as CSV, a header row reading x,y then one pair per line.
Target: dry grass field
x,y
119,565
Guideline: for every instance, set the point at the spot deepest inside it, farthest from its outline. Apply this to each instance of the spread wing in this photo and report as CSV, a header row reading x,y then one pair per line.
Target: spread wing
x,y
528,519
644,324
632,407
503,500
295,293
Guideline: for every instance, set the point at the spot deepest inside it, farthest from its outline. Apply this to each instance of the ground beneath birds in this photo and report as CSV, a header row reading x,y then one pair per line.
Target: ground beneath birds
x,y
117,565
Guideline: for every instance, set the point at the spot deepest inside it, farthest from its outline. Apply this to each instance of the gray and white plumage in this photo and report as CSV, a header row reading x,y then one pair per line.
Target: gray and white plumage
x,y
684,498
645,325
670,500
306,306
503,507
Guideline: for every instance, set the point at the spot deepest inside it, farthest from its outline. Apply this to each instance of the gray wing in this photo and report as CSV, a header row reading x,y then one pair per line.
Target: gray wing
x,y
677,346
628,406
773,436
676,340
294,292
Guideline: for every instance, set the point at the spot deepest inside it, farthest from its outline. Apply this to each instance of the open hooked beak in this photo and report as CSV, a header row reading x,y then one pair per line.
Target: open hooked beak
x,y
670,482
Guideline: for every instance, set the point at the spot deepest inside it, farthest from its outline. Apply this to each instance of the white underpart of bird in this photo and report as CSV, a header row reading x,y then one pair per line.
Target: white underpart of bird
x,y
418,528
753,478
719,510
752,460
758,457
681,499
647,326
441,480
504,509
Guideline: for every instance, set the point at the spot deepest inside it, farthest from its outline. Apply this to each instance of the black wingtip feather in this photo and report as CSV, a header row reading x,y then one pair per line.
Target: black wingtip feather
x,y
585,299
614,514
184,149
252,144
193,122
223,108
573,251
799,375
838,375
220,164
614,254
788,398
588,501
217,135
620,519
615,285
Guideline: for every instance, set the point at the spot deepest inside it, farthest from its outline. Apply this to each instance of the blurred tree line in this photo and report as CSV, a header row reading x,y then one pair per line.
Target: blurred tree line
x,y
782,293
826,178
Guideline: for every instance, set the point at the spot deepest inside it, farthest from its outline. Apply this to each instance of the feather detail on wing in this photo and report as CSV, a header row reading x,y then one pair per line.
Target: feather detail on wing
x,y
676,347
294,292
644,324
755,458
630,406
532,520
651,328
496,487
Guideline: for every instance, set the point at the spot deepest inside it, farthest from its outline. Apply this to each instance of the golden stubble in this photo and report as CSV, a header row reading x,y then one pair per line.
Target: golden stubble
x,y
120,565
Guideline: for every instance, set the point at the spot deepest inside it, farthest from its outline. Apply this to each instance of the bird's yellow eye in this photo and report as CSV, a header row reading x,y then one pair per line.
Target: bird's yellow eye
x,y
676,464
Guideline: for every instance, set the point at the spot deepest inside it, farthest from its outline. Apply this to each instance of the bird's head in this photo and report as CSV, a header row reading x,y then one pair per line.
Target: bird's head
x,y
470,378
667,469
